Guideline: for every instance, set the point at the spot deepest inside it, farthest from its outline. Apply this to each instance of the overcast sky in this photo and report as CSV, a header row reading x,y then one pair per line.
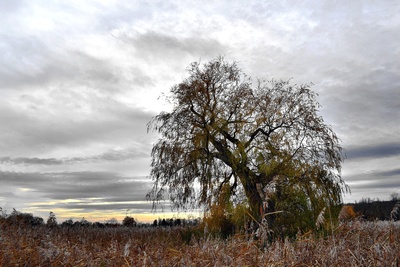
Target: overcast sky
x,y
79,81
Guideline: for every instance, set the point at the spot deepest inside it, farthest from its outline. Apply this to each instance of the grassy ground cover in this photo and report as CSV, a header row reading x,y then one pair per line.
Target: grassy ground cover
x,y
352,244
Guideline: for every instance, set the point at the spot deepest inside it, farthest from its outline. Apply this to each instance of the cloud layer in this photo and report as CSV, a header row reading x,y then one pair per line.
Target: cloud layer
x,y
79,81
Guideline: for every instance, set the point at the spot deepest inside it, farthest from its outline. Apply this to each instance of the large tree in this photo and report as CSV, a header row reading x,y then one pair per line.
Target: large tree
x,y
264,138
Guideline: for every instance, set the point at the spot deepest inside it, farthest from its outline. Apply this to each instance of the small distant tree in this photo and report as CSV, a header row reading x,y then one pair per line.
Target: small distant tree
x,y
164,223
113,222
177,222
394,196
84,222
129,221
37,221
260,138
52,220
67,223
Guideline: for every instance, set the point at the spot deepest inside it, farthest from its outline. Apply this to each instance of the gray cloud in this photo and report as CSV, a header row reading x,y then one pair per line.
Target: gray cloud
x,y
375,185
92,205
153,45
395,172
30,161
373,151
92,190
389,185
376,176
72,185
107,125
130,153
10,6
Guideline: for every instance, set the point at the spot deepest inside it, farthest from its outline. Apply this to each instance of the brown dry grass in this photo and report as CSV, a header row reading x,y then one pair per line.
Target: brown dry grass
x,y
353,244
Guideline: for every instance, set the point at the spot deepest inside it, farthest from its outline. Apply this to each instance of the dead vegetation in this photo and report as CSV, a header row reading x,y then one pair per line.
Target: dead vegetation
x,y
352,244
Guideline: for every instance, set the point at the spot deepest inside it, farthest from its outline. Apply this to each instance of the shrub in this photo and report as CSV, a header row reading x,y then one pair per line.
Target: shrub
x,y
347,213
19,218
67,223
395,213
129,221
52,220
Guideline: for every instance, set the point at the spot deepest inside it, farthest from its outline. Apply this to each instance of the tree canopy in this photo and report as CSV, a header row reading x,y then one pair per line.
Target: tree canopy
x,y
263,137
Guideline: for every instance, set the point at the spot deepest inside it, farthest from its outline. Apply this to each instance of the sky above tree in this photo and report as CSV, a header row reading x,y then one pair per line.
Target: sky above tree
x,y
80,80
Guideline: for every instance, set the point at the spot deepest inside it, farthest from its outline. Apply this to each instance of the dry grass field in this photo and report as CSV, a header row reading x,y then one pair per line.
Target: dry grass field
x,y
353,244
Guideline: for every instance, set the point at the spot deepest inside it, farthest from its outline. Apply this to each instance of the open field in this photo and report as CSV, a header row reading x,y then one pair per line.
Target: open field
x,y
353,244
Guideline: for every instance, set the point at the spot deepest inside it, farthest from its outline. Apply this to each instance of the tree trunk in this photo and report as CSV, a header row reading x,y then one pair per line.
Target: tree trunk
x,y
253,196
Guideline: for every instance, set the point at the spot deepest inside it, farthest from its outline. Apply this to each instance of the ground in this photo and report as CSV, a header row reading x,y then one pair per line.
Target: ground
x,y
352,244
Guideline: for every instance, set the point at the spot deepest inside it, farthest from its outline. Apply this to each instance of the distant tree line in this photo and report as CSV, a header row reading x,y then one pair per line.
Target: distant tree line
x,y
171,222
220,221
20,218
372,210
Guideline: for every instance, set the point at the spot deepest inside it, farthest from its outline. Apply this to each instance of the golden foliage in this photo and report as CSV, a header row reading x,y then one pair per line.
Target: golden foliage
x,y
347,213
